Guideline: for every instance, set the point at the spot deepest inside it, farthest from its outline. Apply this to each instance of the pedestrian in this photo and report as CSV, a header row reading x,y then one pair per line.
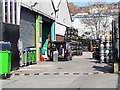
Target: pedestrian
x,y
61,50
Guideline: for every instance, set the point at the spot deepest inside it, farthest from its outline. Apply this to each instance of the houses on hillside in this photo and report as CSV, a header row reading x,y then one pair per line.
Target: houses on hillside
x,y
89,25
94,19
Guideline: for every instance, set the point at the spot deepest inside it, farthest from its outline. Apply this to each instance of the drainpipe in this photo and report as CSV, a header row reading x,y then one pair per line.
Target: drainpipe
x,y
55,25
13,12
8,11
18,7
17,21
3,10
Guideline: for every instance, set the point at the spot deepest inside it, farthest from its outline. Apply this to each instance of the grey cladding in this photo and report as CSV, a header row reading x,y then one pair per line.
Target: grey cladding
x,y
27,28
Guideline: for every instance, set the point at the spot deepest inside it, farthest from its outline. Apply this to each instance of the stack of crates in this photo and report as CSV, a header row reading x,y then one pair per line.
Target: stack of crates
x,y
71,35
102,48
106,43
80,48
96,49
28,56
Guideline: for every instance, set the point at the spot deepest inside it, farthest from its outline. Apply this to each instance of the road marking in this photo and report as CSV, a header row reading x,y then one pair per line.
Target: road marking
x,y
36,74
86,74
66,73
96,72
90,74
57,74
46,73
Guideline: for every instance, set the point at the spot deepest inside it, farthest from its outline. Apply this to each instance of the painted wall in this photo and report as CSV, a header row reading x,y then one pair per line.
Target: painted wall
x,y
27,28
60,29
53,31
63,15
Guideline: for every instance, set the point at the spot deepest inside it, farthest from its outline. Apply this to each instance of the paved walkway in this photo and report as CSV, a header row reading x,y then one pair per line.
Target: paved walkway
x,y
79,64
81,72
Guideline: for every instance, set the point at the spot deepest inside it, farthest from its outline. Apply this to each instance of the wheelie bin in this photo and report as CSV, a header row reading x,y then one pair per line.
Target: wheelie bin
x,y
32,55
5,60
25,58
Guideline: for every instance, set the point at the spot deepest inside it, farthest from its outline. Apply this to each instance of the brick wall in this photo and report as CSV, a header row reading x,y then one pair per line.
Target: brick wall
x,y
59,38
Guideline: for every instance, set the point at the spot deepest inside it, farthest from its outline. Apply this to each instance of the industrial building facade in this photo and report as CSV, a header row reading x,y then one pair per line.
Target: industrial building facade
x,y
37,23
41,22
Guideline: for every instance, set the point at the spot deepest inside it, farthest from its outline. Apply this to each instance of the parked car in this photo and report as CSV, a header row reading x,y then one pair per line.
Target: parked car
x,y
64,50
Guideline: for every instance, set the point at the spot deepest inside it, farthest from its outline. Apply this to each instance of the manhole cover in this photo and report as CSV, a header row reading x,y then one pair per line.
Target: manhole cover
x,y
59,68
18,71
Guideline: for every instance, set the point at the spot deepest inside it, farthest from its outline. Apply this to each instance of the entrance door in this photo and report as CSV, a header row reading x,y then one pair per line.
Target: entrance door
x,y
45,36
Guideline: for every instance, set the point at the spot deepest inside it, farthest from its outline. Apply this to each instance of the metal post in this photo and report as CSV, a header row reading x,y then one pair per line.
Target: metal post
x,y
22,59
116,41
8,11
13,12
113,41
25,57
115,47
3,10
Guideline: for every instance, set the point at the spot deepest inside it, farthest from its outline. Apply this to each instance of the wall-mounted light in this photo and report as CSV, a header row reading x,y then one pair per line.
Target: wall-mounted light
x,y
34,4
52,13
64,20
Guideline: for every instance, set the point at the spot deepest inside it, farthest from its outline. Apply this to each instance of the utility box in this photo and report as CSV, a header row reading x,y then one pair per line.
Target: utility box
x,y
55,56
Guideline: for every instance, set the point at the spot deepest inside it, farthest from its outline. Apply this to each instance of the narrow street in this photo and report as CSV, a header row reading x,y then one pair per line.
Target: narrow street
x,y
81,72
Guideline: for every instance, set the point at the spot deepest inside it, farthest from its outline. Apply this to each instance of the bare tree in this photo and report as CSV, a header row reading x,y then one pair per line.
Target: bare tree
x,y
96,20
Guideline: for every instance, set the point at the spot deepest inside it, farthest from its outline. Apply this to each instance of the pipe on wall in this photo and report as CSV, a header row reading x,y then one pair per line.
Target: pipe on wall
x,y
13,12
18,7
8,11
3,10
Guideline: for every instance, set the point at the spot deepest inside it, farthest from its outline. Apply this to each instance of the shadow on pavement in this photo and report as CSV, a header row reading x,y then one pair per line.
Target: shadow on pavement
x,y
105,69
59,60
89,58
95,61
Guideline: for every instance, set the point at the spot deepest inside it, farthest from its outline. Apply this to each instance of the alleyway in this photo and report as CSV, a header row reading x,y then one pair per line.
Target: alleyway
x,y
81,72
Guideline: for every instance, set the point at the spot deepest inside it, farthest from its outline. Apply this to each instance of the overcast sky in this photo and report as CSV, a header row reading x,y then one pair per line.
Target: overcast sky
x,y
85,2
